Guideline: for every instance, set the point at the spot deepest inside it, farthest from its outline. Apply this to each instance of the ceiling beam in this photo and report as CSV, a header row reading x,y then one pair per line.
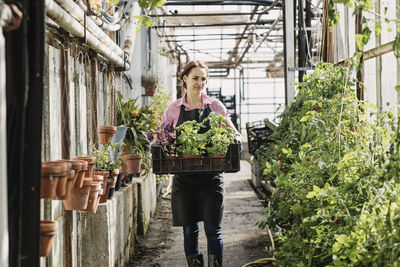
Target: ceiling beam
x,y
222,3
261,22
177,15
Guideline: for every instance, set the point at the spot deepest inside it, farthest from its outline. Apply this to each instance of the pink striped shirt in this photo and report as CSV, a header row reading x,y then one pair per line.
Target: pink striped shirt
x,y
171,114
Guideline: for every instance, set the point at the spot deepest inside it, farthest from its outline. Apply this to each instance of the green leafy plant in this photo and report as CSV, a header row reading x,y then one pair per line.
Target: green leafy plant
x,y
336,173
189,140
220,135
139,121
103,156
147,5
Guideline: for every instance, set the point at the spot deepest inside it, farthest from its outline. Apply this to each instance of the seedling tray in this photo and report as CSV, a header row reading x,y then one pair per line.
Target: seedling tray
x,y
176,165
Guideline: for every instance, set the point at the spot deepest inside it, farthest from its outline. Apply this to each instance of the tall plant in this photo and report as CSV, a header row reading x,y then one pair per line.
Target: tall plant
x,y
328,165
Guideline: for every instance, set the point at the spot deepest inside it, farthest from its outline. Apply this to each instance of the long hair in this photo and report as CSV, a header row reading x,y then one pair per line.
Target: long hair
x,y
188,67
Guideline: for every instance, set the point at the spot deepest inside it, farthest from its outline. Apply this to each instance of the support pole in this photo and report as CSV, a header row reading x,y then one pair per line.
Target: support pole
x,y
3,158
289,50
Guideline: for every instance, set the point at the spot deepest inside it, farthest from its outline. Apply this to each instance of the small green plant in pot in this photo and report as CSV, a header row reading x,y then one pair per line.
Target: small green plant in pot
x,y
189,140
219,136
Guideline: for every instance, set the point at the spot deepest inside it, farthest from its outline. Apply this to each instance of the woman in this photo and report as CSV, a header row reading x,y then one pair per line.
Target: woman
x,y
197,197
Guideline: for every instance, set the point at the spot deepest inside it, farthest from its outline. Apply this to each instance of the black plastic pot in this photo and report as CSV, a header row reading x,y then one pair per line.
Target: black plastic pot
x,y
118,183
111,193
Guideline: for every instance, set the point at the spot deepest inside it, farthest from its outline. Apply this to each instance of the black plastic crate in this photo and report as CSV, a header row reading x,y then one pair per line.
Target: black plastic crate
x,y
258,134
164,165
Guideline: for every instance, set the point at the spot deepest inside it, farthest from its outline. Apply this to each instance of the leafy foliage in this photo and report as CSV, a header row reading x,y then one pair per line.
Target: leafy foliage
x,y
139,121
337,173
165,137
189,140
103,156
220,135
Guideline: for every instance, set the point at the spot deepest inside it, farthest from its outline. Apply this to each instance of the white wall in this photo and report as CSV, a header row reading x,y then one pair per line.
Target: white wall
x,y
380,73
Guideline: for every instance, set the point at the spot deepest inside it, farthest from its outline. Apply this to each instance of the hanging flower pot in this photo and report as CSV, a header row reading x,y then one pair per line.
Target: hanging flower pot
x,y
78,197
61,189
101,180
80,174
105,133
149,91
49,180
104,197
47,232
94,198
149,82
91,161
54,179
132,164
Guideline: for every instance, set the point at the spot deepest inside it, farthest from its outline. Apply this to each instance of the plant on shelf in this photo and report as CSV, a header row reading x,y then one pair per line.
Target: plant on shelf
x,y
189,140
165,137
139,121
220,135
103,156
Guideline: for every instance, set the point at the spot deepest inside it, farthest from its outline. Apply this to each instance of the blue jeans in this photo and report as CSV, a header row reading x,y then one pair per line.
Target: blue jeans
x,y
214,239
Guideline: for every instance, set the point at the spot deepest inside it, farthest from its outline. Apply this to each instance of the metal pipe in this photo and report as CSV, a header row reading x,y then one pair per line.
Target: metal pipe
x,y
78,14
268,32
223,3
207,14
112,27
65,20
261,22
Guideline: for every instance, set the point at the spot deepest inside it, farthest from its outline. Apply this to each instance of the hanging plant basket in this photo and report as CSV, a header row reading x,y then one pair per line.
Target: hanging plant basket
x,y
150,91
149,82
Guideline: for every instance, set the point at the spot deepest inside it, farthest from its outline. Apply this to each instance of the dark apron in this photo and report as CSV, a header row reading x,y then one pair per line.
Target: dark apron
x,y
196,197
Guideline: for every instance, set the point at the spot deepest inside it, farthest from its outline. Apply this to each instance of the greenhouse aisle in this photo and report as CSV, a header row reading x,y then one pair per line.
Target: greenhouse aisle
x,y
243,241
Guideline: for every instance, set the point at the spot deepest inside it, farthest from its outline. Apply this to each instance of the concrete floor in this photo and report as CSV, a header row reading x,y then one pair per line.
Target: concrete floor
x,y
243,241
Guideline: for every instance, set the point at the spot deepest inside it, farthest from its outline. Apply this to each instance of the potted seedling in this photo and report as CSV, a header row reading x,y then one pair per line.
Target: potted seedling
x,y
219,136
190,143
106,166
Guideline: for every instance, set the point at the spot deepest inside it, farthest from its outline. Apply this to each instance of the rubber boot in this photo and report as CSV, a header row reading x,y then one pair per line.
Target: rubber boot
x,y
195,260
214,260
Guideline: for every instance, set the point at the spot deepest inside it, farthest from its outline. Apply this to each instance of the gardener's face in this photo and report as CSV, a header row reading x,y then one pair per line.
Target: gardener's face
x,y
196,80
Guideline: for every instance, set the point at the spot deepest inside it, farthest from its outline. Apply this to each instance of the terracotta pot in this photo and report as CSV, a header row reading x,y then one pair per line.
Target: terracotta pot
x,y
133,162
77,167
190,156
78,198
104,197
47,232
93,200
68,187
49,180
102,181
105,133
114,176
61,189
149,91
148,81
54,179
91,161
80,175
